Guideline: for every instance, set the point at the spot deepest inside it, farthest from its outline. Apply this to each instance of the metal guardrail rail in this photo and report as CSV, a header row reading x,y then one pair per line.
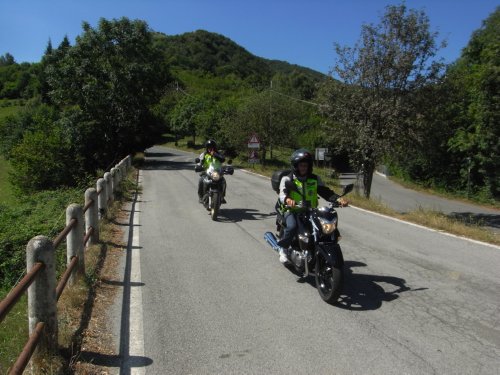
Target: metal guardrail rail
x,y
93,208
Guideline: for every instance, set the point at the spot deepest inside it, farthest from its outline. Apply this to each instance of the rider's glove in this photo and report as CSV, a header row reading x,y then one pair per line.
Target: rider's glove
x,y
289,202
343,202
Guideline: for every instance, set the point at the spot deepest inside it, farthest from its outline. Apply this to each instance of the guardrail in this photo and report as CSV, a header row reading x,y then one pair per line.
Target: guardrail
x,y
82,229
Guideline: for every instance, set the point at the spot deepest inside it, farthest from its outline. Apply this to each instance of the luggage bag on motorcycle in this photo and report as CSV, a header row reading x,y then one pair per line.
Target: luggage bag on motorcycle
x,y
276,178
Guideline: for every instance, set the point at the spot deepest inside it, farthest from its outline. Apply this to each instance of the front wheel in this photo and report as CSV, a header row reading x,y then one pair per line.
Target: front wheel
x,y
214,212
329,279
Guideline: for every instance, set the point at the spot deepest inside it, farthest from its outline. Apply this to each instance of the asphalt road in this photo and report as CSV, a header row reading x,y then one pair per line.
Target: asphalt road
x,y
402,199
215,299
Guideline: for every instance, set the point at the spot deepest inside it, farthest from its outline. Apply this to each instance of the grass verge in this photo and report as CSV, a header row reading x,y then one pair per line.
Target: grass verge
x,y
431,219
6,193
13,332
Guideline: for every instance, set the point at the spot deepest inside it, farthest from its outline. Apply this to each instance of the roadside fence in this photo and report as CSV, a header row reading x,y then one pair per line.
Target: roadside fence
x,y
82,230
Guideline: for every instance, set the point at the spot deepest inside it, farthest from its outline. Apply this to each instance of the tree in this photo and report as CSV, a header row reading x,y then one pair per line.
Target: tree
x,y
7,59
371,110
113,74
474,80
184,119
271,116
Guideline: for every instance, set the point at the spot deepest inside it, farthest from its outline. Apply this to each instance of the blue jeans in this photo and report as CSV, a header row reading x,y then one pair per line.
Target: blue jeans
x,y
289,231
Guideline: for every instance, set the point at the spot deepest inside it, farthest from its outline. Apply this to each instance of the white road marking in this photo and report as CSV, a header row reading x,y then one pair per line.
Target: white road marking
x,y
136,335
427,228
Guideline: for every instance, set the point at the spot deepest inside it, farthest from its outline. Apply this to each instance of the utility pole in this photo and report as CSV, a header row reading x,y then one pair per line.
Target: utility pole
x,y
270,114
469,162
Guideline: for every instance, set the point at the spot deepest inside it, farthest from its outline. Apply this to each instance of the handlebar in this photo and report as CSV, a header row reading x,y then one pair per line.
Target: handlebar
x,y
304,205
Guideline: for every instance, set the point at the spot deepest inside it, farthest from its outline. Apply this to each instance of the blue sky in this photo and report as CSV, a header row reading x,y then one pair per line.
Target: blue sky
x,y
298,31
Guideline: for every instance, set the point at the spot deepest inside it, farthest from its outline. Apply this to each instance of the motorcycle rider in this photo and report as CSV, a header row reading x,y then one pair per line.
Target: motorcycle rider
x,y
210,154
300,185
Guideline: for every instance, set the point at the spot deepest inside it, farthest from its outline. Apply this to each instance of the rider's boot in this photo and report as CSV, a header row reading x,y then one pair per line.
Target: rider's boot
x,y
283,255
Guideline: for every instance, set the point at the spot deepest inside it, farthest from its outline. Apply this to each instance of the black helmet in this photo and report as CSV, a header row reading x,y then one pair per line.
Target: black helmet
x,y
301,155
211,144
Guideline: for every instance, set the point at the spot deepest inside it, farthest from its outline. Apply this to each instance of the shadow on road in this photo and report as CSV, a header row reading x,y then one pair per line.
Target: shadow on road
x,y
363,292
150,154
488,220
158,161
159,164
107,360
234,215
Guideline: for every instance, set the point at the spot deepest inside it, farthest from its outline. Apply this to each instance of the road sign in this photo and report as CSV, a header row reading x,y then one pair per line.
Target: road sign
x,y
254,141
253,156
320,153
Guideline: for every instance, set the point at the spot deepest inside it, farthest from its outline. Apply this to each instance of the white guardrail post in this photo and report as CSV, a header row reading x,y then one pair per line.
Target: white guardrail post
x,y
92,216
42,301
109,189
102,199
74,241
114,180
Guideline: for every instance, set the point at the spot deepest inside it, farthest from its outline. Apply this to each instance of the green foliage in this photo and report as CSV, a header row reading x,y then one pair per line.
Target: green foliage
x,y
32,117
474,81
40,213
113,74
6,193
274,118
18,80
13,332
372,109
186,116
39,148
7,59
461,131
213,53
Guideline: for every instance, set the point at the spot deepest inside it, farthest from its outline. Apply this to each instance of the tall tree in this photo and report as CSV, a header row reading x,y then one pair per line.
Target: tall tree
x,y
114,74
474,82
372,107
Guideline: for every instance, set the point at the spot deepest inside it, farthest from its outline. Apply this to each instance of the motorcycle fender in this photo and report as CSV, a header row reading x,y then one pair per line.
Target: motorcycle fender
x,y
332,253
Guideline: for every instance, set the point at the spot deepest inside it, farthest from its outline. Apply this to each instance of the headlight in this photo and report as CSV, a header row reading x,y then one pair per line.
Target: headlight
x,y
215,176
327,226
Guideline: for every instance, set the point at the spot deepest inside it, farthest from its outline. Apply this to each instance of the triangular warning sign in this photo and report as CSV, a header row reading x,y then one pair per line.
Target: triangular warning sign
x,y
254,139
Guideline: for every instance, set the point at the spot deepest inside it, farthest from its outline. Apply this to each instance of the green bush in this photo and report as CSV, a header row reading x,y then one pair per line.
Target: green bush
x,y
41,213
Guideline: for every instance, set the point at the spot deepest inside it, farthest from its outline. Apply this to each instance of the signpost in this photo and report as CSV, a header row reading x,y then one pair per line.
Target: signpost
x,y
253,149
320,154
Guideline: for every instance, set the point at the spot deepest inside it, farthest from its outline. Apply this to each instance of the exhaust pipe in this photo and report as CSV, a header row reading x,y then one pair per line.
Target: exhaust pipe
x,y
272,241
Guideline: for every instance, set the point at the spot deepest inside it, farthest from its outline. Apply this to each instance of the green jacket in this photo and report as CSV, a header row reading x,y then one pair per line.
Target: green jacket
x,y
305,189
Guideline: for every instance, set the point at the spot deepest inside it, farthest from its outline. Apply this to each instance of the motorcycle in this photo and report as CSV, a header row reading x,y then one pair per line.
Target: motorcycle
x,y
315,247
215,185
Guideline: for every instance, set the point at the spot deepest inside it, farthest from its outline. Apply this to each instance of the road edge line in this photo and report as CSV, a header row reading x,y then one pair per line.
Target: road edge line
x,y
427,228
136,333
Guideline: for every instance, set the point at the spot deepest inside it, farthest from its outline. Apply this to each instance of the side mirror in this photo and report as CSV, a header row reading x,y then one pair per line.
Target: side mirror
x,y
197,160
348,189
229,162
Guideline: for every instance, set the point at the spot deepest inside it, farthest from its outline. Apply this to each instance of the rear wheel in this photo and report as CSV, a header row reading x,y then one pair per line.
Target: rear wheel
x,y
214,212
329,279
